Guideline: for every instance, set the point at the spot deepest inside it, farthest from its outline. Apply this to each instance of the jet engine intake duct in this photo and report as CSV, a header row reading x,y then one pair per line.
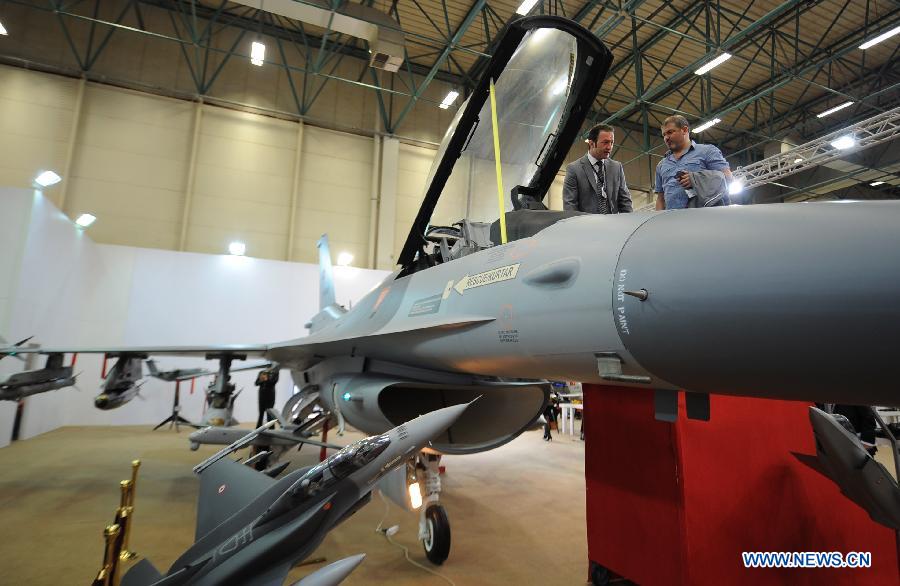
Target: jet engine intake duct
x,y
375,403
798,301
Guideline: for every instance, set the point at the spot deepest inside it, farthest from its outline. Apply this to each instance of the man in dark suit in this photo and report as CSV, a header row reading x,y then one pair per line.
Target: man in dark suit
x,y
595,183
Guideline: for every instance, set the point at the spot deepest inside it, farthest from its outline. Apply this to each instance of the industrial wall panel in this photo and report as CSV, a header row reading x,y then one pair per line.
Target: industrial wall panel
x,y
35,123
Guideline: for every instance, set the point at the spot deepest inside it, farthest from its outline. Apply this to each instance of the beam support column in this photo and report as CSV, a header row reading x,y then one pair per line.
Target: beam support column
x,y
70,148
295,191
192,172
385,256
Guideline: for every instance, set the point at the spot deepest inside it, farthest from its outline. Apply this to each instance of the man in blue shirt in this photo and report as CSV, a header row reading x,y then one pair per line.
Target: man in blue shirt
x,y
683,155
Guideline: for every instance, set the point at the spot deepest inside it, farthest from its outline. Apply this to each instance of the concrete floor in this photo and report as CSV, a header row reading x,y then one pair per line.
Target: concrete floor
x,y
517,513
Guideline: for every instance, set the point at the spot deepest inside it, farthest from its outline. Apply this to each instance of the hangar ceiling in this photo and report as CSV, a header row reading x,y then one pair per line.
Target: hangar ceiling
x,y
791,61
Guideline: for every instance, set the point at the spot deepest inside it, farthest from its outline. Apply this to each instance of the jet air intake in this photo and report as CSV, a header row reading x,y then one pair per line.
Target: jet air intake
x,y
374,403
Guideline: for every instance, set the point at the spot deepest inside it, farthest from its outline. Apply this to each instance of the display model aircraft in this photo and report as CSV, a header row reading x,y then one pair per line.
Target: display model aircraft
x,y
300,419
783,301
251,529
220,396
123,381
23,384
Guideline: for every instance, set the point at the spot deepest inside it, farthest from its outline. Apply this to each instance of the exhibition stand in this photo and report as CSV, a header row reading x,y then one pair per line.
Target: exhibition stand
x,y
678,503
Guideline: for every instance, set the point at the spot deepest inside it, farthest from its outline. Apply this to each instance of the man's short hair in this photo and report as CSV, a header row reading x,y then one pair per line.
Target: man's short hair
x,y
597,129
677,120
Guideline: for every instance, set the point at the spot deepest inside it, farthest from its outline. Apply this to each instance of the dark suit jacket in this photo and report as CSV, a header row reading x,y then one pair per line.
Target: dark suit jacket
x,y
580,186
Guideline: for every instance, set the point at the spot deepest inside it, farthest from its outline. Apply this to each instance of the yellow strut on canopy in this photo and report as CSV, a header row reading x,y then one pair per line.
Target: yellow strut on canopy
x,y
500,205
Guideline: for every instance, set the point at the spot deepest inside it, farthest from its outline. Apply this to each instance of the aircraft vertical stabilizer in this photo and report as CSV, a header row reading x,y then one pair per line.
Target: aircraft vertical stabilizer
x,y
326,275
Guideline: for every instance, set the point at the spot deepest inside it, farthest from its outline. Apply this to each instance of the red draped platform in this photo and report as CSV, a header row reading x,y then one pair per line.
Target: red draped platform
x,y
677,503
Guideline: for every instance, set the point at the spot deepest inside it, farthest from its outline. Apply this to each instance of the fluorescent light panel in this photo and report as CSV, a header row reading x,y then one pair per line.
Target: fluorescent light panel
x,y
844,142
449,99
714,63
876,183
525,7
879,38
257,53
706,125
47,178
85,220
3,29
835,109
237,248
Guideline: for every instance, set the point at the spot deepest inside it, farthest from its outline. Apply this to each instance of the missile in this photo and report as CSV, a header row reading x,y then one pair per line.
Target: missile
x,y
332,574
843,459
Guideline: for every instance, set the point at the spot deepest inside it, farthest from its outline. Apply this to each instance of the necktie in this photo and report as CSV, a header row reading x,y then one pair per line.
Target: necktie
x,y
602,201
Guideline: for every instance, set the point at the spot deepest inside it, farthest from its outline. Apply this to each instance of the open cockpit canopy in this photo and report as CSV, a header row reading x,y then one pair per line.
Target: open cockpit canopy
x,y
546,72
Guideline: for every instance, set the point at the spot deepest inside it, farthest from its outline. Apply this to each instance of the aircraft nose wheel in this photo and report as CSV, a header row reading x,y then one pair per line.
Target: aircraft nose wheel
x,y
437,540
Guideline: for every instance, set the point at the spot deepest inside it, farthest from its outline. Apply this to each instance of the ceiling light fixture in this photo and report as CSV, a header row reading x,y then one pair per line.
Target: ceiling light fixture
x,y
525,7
47,178
844,142
798,160
705,125
835,109
344,259
876,183
714,63
85,220
237,248
449,99
3,30
257,53
879,38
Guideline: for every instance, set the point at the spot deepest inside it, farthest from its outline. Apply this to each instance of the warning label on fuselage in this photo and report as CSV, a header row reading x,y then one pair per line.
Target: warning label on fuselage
x,y
490,277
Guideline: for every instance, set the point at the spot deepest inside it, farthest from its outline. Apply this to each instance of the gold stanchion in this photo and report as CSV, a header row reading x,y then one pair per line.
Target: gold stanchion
x,y
117,534
135,465
126,510
107,575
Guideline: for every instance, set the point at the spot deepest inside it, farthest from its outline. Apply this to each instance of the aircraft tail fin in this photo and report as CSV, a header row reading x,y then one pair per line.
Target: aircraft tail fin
x,y
326,275
151,366
142,574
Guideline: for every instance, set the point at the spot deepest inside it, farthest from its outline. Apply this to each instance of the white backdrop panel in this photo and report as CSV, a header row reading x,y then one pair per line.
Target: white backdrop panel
x,y
71,291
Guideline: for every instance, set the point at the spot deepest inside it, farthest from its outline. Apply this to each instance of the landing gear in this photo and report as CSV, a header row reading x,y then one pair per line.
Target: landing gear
x,y
437,541
434,527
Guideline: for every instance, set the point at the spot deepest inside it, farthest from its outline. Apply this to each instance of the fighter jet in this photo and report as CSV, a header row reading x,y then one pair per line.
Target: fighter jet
x,y
785,301
252,529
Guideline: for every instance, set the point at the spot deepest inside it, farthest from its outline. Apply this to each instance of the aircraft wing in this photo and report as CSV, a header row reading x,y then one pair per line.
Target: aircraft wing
x,y
255,351
225,488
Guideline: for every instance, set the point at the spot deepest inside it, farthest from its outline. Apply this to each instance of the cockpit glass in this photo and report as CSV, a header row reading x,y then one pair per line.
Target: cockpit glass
x,y
531,95
357,455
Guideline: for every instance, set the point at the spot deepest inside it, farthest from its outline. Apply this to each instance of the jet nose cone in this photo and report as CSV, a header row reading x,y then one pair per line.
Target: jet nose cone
x,y
426,427
101,401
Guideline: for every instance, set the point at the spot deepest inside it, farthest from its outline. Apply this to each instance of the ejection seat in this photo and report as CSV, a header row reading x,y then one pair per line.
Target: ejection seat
x,y
529,215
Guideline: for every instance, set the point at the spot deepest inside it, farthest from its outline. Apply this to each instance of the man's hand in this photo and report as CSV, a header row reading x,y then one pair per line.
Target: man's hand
x,y
684,178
